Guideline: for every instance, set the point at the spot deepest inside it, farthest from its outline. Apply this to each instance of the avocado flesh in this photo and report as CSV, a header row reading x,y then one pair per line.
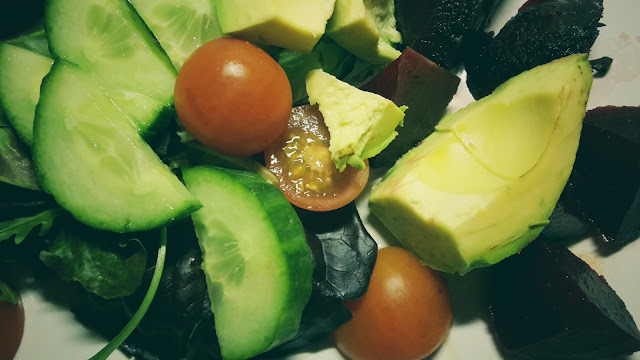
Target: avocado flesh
x,y
367,28
361,124
484,184
291,24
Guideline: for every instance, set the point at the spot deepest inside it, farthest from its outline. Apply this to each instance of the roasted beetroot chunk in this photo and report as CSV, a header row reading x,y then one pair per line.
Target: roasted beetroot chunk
x,y
604,187
540,33
426,88
547,303
434,28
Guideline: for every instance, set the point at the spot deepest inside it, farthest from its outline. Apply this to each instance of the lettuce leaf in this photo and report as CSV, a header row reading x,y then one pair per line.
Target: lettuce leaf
x,y
107,264
330,57
16,167
21,227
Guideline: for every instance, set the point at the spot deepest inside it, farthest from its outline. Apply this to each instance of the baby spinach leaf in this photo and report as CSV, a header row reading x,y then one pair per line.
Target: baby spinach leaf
x,y
144,306
330,57
344,251
21,227
16,167
107,264
179,322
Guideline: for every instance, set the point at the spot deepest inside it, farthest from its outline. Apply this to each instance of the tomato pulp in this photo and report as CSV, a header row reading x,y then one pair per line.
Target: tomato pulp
x,y
301,161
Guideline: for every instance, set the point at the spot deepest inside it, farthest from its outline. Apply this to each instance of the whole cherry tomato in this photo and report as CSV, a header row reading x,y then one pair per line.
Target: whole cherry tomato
x,y
233,97
404,315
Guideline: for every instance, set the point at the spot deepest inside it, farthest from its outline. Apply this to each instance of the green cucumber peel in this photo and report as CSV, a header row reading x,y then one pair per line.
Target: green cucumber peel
x,y
144,306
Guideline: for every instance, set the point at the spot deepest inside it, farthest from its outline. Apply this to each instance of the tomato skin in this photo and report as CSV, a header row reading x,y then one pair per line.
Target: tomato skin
x,y
404,315
233,97
301,161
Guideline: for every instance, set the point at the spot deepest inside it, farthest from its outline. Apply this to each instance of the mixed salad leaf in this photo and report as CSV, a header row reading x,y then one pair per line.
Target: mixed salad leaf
x,y
120,278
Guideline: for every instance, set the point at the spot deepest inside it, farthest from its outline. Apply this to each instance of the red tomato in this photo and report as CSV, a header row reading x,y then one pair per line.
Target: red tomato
x,y
11,328
404,315
301,161
233,97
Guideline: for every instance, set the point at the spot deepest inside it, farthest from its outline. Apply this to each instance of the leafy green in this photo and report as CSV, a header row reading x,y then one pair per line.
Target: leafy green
x,y
108,264
144,306
330,57
343,251
8,295
16,167
21,227
179,324
35,41
189,152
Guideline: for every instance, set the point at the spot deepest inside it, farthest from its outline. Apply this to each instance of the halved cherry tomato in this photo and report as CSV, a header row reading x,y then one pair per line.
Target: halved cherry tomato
x,y
404,315
233,97
301,161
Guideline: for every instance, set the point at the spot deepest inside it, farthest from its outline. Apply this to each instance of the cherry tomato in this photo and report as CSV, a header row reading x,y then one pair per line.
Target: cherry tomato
x,y
301,161
233,97
11,327
404,315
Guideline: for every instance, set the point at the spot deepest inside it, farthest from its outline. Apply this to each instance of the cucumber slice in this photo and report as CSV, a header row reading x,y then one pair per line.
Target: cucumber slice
x,y
255,258
107,39
21,73
89,156
180,26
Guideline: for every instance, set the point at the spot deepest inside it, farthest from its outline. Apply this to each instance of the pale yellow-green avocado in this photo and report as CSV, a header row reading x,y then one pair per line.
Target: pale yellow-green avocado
x,y
292,24
367,28
483,185
361,124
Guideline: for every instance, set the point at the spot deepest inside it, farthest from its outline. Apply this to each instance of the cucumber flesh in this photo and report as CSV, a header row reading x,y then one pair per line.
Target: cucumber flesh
x,y
107,39
180,26
255,259
21,73
89,156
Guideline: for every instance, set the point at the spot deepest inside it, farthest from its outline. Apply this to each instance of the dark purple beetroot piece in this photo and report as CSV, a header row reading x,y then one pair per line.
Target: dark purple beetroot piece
x,y
434,28
414,81
547,303
540,33
605,182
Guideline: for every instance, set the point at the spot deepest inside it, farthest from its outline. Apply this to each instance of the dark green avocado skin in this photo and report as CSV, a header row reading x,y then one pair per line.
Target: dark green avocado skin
x,y
546,303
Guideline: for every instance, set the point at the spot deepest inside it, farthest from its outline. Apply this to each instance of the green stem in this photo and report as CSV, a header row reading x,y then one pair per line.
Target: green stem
x,y
144,306
8,295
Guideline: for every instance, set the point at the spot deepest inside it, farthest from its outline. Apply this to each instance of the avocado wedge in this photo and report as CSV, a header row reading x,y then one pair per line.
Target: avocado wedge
x,y
483,185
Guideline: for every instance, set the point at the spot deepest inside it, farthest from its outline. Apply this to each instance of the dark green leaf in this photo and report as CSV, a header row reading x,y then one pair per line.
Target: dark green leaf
x,y
21,227
343,251
179,323
188,153
108,264
16,167
8,295
34,40
330,57
144,306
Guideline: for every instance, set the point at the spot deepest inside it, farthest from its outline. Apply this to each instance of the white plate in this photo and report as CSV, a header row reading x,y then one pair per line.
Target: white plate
x,y
52,333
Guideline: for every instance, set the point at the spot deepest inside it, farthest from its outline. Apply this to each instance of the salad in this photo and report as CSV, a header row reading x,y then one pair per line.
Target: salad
x,y
469,336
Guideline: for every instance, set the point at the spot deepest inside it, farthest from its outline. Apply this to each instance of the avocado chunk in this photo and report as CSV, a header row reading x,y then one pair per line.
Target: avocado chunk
x,y
361,124
484,184
291,24
367,28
